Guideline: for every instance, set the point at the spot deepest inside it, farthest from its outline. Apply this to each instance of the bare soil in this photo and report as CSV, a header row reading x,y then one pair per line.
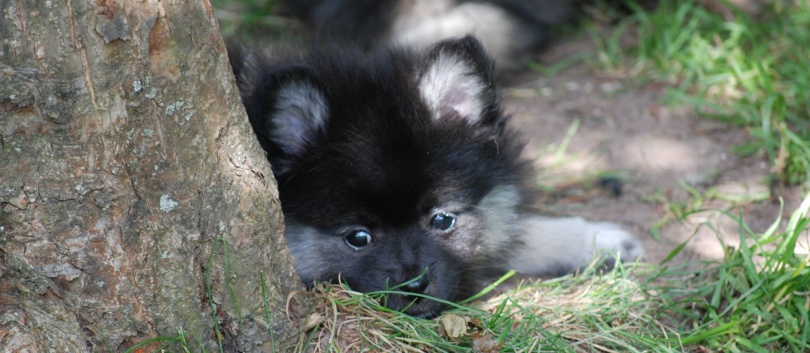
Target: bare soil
x,y
624,128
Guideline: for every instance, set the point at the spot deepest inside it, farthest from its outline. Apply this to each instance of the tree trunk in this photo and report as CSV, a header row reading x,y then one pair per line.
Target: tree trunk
x,y
135,202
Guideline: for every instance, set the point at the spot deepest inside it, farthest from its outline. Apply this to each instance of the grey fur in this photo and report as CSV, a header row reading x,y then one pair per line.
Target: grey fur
x,y
400,168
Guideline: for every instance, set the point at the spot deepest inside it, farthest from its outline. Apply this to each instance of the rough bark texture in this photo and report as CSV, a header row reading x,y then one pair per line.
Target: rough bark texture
x,y
129,177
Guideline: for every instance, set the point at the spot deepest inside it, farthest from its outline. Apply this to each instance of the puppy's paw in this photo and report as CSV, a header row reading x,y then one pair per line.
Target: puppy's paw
x,y
556,246
611,243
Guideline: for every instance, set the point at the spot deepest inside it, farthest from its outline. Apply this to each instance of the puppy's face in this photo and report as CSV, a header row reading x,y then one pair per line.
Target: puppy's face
x,y
394,171
438,251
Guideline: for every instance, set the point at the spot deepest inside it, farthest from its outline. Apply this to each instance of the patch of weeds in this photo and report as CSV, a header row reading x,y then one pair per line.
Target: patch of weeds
x,y
588,312
697,200
348,320
744,71
675,210
757,300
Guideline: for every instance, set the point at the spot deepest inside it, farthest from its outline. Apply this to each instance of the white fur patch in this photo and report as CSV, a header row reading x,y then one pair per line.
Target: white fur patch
x,y
558,245
428,21
300,113
450,87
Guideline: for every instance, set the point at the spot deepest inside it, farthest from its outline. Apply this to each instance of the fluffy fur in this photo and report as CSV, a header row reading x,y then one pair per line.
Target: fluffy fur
x,y
509,29
398,168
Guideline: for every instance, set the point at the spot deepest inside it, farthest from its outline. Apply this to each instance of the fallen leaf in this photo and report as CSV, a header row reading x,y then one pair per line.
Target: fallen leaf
x,y
452,326
312,321
486,344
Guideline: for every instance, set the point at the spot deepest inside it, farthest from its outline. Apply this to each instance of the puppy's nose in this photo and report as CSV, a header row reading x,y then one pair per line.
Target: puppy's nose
x,y
418,286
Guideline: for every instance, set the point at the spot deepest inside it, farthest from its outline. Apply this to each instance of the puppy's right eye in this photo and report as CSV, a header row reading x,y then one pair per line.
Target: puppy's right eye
x,y
443,221
358,238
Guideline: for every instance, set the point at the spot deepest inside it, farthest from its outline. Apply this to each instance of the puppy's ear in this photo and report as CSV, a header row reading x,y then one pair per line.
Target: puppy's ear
x,y
293,114
456,82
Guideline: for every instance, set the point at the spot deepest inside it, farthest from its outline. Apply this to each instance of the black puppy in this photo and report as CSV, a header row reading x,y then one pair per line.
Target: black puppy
x,y
396,167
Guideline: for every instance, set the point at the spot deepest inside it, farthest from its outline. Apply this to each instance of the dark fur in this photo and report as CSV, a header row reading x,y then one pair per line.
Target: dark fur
x,y
382,161
373,23
376,153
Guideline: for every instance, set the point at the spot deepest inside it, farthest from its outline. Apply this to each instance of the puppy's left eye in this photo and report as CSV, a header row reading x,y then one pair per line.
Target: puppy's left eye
x,y
443,221
358,239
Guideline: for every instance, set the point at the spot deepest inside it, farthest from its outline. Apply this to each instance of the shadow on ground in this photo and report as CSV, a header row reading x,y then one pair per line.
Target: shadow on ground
x,y
624,129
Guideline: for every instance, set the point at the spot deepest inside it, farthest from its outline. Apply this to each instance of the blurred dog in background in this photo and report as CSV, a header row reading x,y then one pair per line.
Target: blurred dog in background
x,y
510,30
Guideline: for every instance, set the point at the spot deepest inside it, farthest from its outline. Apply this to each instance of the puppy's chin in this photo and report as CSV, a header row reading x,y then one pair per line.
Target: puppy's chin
x,y
426,302
425,308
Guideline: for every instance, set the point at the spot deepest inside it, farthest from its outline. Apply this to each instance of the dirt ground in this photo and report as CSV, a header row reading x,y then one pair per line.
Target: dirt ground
x,y
624,128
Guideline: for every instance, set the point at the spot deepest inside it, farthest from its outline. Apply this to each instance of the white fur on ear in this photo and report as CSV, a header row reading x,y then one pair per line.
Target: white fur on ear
x,y
300,113
452,89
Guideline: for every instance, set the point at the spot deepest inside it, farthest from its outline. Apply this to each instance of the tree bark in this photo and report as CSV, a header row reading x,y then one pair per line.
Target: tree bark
x,y
135,201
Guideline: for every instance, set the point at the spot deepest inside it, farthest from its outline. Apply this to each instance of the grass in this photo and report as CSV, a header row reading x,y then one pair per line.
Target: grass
x,y
750,73
755,301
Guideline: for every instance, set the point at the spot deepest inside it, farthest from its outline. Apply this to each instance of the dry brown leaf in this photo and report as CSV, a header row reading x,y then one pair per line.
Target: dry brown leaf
x,y
486,344
452,326
312,321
